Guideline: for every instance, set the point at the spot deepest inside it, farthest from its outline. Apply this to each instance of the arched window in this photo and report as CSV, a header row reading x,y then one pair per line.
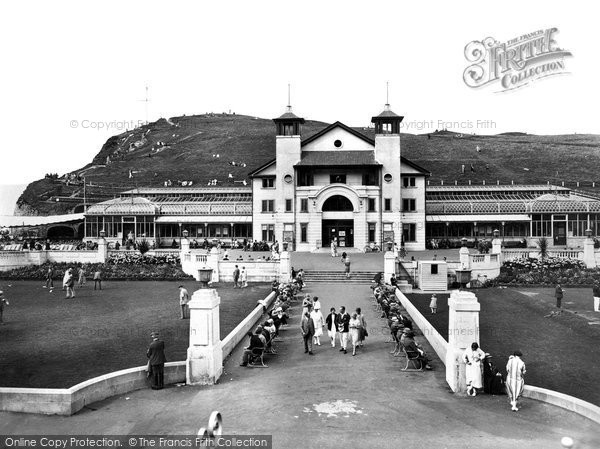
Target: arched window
x,y
338,203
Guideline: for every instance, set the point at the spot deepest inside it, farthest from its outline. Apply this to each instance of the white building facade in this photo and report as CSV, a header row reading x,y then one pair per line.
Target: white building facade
x,y
339,185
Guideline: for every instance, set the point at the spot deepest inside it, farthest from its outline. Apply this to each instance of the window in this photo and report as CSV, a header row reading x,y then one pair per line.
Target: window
x,y
305,179
268,205
434,268
387,204
387,177
337,143
371,205
268,183
337,179
287,179
303,204
409,181
371,232
409,205
370,178
288,205
303,232
268,232
541,225
409,233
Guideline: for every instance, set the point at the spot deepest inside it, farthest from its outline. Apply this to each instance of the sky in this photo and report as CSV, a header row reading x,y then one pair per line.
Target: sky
x,y
73,67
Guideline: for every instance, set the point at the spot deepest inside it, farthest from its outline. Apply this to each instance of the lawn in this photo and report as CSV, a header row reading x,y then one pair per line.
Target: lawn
x,y
561,352
52,342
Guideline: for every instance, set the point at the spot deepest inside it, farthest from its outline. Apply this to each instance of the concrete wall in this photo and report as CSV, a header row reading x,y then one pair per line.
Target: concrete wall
x,y
229,343
257,271
437,342
16,259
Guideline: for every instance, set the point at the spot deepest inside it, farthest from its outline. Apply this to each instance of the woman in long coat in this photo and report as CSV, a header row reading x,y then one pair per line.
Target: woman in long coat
x,y
515,370
474,357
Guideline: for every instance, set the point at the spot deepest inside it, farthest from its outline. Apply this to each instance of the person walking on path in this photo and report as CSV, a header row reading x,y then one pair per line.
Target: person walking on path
x,y
49,278
244,277
354,327
333,248
433,304
236,277
70,283
363,327
596,293
156,362
332,322
66,278
308,330
515,382
81,277
3,302
343,328
318,322
347,265
558,293
98,279
184,298
474,357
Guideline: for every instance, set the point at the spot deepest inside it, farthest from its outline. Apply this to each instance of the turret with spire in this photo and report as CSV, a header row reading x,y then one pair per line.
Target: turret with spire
x,y
289,124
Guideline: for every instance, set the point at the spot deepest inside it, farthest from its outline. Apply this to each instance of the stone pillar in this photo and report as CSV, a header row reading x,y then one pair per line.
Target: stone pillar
x,y
212,261
285,272
389,265
185,246
589,257
463,329
102,250
204,364
464,258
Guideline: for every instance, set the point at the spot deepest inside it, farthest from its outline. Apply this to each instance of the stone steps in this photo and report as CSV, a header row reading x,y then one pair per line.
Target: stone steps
x,y
357,277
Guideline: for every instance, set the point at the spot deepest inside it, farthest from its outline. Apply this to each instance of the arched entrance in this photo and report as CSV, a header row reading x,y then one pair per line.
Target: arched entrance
x,y
335,224
61,232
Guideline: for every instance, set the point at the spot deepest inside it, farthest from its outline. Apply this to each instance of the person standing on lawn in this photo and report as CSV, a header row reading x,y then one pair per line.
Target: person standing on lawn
x,y
81,277
156,362
596,293
558,293
515,370
3,302
236,277
49,278
244,278
70,284
184,298
98,279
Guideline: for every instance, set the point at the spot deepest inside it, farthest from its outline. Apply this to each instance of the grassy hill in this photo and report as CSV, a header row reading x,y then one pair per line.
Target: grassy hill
x,y
186,148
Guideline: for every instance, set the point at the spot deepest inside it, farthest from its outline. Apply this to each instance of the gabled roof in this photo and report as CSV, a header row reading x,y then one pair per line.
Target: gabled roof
x,y
420,169
338,125
337,158
261,168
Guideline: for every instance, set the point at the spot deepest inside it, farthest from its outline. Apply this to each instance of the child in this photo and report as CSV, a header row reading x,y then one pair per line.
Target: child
x,y
433,303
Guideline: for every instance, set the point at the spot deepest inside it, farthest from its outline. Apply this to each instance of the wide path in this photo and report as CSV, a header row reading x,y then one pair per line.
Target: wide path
x,y
330,399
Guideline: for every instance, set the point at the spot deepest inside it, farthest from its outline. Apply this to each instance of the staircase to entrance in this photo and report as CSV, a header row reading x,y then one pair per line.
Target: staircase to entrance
x,y
356,277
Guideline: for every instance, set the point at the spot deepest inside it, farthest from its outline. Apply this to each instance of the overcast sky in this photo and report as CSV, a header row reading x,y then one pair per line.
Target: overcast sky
x,y
70,65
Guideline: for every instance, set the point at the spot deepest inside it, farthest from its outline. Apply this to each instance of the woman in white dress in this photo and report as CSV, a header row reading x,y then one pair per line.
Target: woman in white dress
x,y
473,357
333,249
355,327
319,322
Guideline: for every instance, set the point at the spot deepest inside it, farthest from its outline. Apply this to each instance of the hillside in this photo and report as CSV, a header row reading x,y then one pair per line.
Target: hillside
x,y
204,147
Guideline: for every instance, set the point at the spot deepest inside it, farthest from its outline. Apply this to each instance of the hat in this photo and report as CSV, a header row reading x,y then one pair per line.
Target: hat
x,y
154,334
394,318
270,320
487,355
259,327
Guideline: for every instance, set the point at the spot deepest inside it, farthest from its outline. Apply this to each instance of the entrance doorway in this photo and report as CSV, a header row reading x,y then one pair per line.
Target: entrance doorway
x,y
559,233
341,230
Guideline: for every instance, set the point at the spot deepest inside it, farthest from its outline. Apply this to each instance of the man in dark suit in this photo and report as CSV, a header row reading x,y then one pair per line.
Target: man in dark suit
x,y
344,328
332,321
156,362
308,331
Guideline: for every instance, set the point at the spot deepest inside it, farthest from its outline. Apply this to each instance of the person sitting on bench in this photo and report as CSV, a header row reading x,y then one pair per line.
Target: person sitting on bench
x,y
255,343
411,347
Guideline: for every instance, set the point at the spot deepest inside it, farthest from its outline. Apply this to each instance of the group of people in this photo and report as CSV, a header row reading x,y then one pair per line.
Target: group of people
x,y
341,325
240,278
70,279
482,374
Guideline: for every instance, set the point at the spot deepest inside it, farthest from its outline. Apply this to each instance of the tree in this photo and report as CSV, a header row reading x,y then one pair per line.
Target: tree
x,y
542,245
143,246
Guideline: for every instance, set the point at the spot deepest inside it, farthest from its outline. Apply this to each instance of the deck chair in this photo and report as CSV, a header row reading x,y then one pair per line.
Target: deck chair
x,y
257,356
412,357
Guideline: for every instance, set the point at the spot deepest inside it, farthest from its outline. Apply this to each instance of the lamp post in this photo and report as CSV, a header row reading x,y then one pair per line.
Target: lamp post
x,y
588,233
179,235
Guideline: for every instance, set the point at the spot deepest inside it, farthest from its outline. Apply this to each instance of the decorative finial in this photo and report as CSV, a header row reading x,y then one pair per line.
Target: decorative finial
x,y
387,92
289,105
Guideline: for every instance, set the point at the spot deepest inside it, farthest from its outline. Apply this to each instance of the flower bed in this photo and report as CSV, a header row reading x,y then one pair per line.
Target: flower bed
x,y
553,270
118,268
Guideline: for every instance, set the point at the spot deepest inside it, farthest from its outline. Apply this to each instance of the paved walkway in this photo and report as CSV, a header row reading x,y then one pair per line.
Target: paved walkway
x,y
327,400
